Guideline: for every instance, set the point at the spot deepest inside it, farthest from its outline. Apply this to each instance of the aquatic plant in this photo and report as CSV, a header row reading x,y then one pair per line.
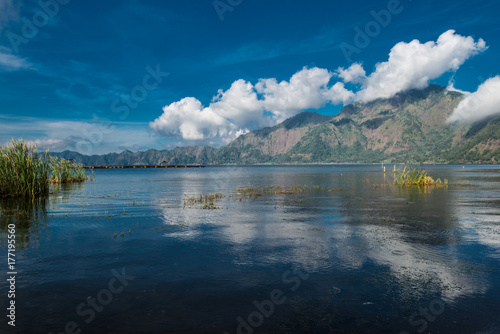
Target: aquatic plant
x,y
64,171
416,176
207,201
255,192
23,171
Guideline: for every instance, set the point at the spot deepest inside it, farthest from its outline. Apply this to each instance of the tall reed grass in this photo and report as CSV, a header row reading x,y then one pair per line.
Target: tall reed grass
x,y
64,171
24,172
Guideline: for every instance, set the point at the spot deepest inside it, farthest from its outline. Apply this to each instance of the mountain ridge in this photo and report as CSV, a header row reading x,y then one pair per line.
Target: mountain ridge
x,y
411,126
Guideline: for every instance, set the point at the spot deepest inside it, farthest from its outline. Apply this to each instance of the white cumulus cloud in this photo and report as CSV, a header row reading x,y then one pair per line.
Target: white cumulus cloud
x,y
412,65
354,74
240,105
480,104
189,120
245,107
338,94
307,89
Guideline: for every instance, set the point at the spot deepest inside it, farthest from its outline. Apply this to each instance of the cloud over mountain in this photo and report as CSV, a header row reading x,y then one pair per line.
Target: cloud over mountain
x,y
189,120
245,107
412,65
307,89
480,104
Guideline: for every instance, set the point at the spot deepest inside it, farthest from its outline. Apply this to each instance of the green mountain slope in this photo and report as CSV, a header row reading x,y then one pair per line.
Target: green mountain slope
x,y
409,127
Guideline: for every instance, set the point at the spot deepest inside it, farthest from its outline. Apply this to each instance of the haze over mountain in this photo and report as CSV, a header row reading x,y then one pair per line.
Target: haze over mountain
x,y
410,127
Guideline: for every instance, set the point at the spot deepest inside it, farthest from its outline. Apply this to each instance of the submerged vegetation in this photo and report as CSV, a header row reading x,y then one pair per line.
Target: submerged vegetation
x,y
255,192
24,172
209,201
416,176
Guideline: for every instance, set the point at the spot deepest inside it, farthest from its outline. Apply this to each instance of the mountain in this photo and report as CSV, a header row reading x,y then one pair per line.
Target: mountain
x,y
177,156
408,127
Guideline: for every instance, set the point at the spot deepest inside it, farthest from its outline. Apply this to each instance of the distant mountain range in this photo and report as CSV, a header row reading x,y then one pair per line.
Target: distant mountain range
x,y
409,127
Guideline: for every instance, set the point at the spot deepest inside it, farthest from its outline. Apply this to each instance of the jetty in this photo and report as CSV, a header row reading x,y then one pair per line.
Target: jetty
x,y
155,166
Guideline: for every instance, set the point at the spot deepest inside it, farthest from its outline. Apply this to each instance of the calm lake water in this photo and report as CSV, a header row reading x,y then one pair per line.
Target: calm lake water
x,y
347,253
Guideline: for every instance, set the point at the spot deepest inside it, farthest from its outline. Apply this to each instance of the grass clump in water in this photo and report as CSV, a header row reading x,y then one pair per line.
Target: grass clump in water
x,y
64,171
416,176
205,201
24,172
255,192
209,201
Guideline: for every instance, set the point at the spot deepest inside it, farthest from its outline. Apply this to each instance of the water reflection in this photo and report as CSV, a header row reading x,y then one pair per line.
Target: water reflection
x,y
28,215
414,234
63,192
411,233
375,253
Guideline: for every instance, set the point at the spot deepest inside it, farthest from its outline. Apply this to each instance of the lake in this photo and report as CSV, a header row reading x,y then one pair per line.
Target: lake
x,y
302,249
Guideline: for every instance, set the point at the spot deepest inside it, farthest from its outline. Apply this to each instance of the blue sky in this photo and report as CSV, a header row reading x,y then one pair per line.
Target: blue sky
x,y
104,76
